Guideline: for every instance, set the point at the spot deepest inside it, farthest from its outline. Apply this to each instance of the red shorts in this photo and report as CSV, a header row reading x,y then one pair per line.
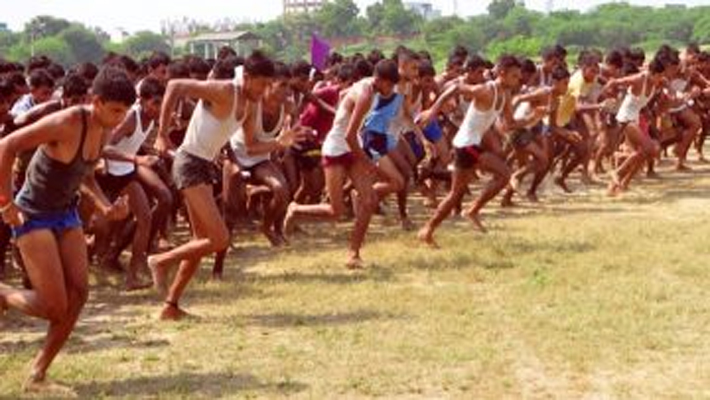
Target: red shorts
x,y
345,160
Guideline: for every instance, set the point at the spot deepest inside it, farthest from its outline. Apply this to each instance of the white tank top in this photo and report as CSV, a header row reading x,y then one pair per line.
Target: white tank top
x,y
206,135
262,135
477,122
677,88
335,143
631,106
129,145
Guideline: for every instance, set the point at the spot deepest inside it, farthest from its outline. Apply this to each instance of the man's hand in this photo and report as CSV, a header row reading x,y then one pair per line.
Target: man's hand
x,y
118,210
13,216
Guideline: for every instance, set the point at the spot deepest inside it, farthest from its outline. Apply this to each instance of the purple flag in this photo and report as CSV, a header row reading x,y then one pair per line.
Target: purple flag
x,y
320,49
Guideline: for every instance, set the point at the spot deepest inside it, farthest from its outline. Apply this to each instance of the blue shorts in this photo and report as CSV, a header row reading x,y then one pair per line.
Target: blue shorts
x,y
56,222
433,132
377,145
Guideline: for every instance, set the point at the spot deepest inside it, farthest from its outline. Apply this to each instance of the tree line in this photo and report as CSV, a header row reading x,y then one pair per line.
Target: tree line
x,y
507,27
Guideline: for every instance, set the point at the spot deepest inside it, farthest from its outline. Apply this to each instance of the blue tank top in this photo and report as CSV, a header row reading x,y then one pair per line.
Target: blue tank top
x,y
51,186
383,112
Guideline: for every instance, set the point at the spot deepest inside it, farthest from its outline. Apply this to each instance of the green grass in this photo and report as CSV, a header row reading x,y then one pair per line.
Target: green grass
x,y
581,296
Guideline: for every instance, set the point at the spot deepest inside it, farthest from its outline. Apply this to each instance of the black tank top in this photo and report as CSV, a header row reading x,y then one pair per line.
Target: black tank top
x,y
51,186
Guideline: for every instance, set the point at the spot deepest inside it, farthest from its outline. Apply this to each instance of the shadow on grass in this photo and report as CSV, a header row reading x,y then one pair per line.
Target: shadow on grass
x,y
192,385
286,320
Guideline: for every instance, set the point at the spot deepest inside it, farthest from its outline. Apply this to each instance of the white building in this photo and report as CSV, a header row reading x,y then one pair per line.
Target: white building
x,y
423,8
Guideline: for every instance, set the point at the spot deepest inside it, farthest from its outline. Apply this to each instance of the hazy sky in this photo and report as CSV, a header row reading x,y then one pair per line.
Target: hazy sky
x,y
133,15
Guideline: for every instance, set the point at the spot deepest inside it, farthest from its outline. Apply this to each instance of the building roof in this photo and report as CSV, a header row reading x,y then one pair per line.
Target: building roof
x,y
224,36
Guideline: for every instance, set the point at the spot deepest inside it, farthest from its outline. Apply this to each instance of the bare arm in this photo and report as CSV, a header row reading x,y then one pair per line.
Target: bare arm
x,y
255,147
360,109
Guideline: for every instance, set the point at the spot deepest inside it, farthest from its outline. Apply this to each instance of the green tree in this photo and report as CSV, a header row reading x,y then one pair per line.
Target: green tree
x,y
83,44
338,18
701,30
143,43
499,9
53,47
397,19
45,26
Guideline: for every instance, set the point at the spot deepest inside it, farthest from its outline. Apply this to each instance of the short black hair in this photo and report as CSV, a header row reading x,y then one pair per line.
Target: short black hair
x,y
375,56
346,72
259,65
157,59
301,69
588,60
387,70
549,53
151,88
460,52
426,68
474,62
56,71
225,52
629,68
282,71
16,78
528,66
363,69
129,64
507,61
112,84
38,62
41,78
455,60
224,68
693,48
405,54
74,85
198,66
615,58
334,58
178,70
560,73
88,71
7,90
657,66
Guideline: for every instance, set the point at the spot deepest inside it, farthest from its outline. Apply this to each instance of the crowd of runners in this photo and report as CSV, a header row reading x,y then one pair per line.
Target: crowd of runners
x,y
101,164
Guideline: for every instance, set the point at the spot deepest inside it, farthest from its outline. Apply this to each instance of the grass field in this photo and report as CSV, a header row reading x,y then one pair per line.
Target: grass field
x,y
580,297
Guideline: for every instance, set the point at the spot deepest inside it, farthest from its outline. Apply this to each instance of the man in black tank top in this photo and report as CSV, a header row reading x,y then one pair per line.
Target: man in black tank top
x,y
45,222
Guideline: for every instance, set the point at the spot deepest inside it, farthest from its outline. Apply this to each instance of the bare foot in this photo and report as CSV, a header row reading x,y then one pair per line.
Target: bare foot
x,y
289,225
515,183
159,276
476,221
217,276
173,313
614,189
271,236
136,284
507,202
354,263
652,175
427,237
431,202
683,168
532,197
47,389
559,181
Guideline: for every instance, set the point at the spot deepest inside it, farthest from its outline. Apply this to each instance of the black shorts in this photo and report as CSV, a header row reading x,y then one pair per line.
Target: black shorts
x,y
308,155
189,171
467,157
113,185
521,138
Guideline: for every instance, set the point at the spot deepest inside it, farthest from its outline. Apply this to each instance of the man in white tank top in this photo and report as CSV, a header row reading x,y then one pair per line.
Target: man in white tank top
x,y
344,158
225,105
120,178
489,101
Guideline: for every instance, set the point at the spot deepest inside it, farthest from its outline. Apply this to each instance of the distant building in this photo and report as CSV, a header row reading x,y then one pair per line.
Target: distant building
x,y
299,6
207,45
423,8
4,27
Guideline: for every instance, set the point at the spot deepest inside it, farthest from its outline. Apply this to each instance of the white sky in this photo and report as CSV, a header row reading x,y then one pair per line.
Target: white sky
x,y
134,15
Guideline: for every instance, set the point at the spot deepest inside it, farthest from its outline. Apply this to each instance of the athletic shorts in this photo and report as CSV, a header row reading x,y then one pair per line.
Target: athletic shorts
x,y
521,138
56,222
376,144
415,145
113,185
345,160
467,157
189,171
307,155
433,132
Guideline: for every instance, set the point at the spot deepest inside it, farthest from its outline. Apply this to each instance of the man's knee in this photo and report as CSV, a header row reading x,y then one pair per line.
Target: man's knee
x,y
220,239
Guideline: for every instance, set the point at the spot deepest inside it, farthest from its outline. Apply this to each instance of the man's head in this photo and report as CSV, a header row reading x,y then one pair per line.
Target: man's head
x,y
408,64
346,75
281,88
199,69
613,63
300,76
386,77
589,64
259,71
550,58
509,72
113,94
7,92
41,86
151,96
19,85
74,90
475,67
529,72
560,80
427,73
158,66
